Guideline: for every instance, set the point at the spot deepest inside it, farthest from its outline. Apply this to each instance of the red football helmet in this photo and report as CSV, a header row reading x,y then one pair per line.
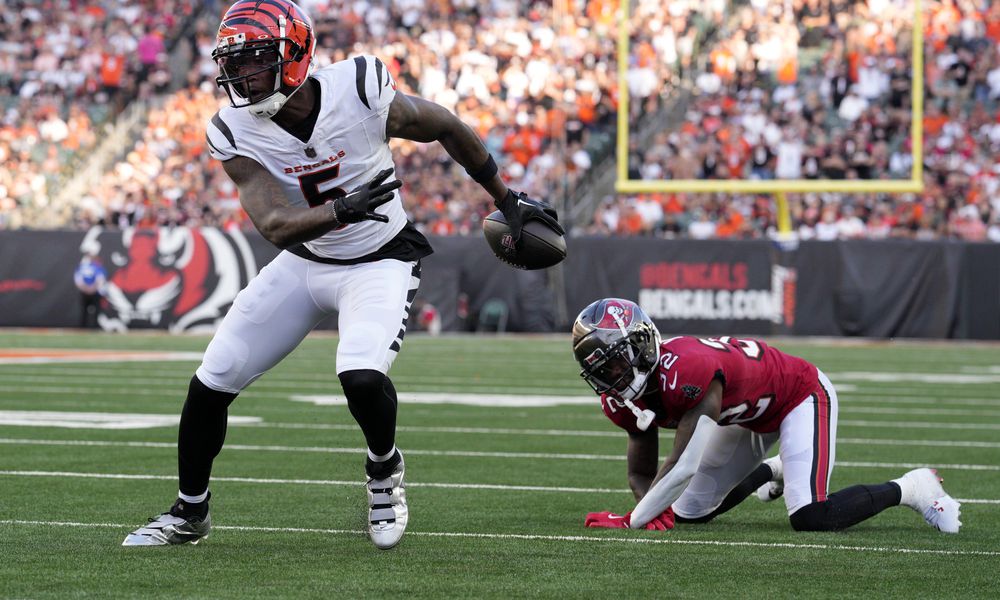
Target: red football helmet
x,y
264,49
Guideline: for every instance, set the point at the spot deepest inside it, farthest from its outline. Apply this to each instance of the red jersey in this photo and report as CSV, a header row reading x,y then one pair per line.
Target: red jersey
x,y
760,384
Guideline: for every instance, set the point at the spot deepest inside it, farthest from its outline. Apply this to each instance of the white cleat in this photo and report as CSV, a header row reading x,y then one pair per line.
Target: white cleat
x,y
171,528
387,510
774,489
921,490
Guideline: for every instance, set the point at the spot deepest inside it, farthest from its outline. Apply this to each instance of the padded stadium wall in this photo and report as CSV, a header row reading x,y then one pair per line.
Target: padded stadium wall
x,y
185,280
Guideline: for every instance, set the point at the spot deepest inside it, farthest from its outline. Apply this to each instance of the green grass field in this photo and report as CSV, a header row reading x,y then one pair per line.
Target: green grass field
x,y
497,494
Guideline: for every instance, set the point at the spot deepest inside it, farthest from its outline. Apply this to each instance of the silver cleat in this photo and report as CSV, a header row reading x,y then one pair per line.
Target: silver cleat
x,y
170,528
387,510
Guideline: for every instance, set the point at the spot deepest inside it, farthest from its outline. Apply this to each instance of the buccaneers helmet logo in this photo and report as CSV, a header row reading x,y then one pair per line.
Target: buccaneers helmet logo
x,y
616,315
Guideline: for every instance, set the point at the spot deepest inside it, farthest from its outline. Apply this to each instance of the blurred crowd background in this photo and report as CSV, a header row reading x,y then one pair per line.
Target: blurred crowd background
x,y
757,89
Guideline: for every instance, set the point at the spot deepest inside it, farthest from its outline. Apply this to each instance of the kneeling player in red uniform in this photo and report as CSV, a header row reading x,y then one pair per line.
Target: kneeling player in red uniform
x,y
730,400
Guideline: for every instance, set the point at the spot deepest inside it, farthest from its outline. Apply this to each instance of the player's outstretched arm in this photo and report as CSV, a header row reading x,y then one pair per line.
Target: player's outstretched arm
x,y
694,431
414,118
283,224
642,455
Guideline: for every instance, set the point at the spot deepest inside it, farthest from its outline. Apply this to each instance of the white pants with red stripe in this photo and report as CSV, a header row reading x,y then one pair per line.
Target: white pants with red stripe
x,y
808,443
290,296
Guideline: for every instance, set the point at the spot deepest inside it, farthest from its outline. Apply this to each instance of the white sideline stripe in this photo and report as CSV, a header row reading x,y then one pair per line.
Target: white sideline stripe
x,y
525,400
611,433
884,377
451,453
917,425
870,398
99,356
359,482
887,410
98,420
616,433
924,443
547,538
500,400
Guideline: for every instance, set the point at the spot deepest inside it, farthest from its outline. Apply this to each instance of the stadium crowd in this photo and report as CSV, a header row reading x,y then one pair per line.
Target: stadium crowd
x,y
817,89
66,66
807,89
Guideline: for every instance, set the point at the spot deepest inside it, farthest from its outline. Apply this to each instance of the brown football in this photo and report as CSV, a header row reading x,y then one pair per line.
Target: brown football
x,y
541,247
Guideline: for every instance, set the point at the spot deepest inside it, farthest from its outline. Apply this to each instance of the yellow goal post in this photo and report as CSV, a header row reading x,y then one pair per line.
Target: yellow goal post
x,y
778,187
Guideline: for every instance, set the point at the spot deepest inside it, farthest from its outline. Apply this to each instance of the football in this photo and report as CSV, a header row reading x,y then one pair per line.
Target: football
x,y
541,247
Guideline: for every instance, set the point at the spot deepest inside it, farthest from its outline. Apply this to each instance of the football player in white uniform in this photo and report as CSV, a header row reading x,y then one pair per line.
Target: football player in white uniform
x,y
295,142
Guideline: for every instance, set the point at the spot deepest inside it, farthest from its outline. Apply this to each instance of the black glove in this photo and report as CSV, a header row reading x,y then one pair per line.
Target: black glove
x,y
518,208
361,203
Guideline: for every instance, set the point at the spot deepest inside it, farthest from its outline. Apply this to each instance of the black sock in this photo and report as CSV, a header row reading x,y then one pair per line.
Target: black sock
x,y
847,507
758,477
202,433
189,510
381,470
371,399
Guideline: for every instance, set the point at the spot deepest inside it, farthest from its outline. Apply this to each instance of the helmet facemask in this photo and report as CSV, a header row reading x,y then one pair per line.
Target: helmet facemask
x,y
623,368
279,62
239,65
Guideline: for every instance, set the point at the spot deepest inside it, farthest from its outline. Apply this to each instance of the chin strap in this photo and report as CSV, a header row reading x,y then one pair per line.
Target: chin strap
x,y
270,106
643,418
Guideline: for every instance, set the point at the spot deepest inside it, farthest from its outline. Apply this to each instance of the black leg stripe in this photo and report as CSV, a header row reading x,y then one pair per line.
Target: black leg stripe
x,y
394,347
411,295
362,69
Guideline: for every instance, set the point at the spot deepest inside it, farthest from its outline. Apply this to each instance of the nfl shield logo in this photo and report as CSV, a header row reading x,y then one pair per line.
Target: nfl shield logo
x,y
507,241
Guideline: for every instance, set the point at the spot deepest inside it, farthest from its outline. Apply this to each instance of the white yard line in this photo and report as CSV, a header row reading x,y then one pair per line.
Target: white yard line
x,y
917,424
449,453
546,538
611,432
897,377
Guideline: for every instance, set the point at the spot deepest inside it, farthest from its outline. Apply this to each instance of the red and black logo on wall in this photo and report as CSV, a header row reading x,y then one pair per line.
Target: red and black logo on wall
x,y
180,279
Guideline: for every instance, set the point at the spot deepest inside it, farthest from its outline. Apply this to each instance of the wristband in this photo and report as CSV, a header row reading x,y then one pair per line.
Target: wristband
x,y
485,172
333,213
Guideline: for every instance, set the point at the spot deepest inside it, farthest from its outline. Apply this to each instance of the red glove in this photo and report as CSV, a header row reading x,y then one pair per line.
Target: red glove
x,y
606,519
661,522
610,520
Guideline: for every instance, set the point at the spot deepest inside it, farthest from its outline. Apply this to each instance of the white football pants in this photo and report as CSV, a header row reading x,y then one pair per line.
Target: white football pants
x,y
808,448
290,296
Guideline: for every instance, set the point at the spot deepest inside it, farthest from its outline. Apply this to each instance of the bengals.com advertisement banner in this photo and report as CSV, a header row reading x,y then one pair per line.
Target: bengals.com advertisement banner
x,y
185,279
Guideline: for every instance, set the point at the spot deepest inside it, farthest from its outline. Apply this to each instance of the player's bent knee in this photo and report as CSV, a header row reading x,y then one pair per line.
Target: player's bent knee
x,y
812,517
362,383
223,364
198,391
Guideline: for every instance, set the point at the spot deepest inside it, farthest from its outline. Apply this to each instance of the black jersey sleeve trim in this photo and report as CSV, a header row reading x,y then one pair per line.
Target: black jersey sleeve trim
x,y
221,126
211,145
362,68
378,76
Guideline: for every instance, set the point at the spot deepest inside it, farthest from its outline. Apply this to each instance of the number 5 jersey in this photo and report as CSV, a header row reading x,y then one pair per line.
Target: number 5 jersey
x,y
760,384
347,148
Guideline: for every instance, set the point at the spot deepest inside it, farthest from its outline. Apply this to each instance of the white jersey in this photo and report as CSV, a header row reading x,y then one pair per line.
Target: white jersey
x,y
348,148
